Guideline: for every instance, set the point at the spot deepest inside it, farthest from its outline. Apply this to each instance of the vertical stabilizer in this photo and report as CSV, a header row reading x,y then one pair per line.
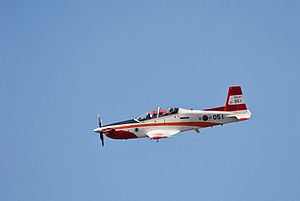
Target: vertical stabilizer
x,y
235,100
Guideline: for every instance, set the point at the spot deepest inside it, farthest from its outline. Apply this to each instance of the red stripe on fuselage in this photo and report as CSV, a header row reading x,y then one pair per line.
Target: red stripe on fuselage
x,y
192,124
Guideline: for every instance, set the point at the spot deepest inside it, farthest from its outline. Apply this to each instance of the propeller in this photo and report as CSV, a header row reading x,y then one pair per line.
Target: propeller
x,y
101,138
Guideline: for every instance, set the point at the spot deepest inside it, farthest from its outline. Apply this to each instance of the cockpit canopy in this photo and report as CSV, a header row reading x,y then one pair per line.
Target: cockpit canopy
x,y
159,112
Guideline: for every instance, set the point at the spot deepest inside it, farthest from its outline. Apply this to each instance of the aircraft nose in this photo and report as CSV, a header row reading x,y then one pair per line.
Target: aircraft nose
x,y
97,130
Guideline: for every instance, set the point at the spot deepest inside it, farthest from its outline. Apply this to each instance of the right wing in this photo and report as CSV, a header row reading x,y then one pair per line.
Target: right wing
x,y
157,134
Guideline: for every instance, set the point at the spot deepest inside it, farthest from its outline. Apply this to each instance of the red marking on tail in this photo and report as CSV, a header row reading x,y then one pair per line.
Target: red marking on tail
x,y
216,109
234,100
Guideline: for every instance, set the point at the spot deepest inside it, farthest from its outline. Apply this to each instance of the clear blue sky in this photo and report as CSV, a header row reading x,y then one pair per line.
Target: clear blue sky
x,y
63,62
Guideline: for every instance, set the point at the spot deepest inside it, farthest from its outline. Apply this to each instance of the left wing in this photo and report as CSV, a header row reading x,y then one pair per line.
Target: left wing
x,y
158,134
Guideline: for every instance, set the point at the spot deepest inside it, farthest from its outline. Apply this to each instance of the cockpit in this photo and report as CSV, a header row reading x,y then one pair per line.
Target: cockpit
x,y
156,113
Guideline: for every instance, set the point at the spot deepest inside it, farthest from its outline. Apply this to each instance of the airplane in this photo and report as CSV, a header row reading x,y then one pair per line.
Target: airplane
x,y
164,123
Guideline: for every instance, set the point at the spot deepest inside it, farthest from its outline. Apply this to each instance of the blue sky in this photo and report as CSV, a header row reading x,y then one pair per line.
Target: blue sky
x,y
63,62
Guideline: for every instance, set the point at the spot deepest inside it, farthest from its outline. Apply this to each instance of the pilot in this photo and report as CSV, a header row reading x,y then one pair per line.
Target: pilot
x,y
171,110
148,115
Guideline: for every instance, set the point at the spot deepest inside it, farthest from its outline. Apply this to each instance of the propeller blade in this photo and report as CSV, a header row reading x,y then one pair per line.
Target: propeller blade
x,y
101,138
99,121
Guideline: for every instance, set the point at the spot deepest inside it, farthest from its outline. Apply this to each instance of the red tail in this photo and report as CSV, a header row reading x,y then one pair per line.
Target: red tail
x,y
235,99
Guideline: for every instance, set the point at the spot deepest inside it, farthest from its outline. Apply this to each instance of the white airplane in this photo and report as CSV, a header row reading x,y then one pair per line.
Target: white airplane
x,y
164,123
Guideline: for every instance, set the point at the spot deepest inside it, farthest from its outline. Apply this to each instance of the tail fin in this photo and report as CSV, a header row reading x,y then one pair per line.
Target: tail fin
x,y
234,100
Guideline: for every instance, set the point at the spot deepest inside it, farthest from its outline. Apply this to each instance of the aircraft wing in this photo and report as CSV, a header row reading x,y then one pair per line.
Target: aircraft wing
x,y
158,134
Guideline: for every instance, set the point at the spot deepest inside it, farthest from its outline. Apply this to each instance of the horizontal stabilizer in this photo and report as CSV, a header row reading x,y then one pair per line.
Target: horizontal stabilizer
x,y
241,115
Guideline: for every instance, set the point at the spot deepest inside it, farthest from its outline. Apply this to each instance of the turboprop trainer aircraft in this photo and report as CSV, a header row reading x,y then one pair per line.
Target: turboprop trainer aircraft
x,y
164,123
